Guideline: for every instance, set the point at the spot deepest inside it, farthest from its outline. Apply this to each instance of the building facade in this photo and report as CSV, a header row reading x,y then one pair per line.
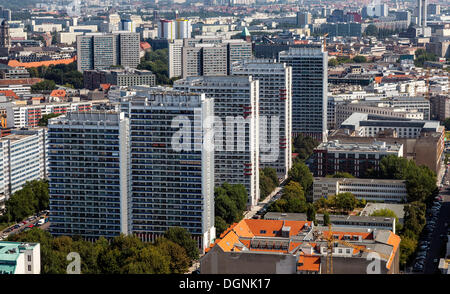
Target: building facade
x,y
368,189
20,258
309,89
23,157
236,103
275,105
101,50
172,182
89,174
354,158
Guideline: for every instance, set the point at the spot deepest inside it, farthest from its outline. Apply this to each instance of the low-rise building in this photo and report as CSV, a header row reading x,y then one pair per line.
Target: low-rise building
x,y
120,77
20,258
262,246
368,189
340,221
354,158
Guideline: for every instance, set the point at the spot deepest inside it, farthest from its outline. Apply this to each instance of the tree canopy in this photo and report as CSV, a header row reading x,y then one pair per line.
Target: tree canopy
x,y
301,174
32,198
292,200
420,180
268,181
121,255
230,201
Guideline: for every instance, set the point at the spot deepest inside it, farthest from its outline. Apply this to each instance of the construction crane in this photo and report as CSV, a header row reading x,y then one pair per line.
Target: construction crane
x,y
330,245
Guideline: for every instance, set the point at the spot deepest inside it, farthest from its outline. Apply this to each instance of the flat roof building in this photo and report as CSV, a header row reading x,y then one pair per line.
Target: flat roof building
x,y
368,189
20,258
354,158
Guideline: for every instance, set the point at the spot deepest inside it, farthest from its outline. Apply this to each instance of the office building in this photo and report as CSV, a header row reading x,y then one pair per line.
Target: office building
x,y
101,51
175,58
172,182
309,89
20,258
5,38
236,102
127,77
383,111
423,141
304,19
440,107
368,189
89,166
262,246
434,9
354,158
340,221
5,14
23,157
275,105
206,56
422,7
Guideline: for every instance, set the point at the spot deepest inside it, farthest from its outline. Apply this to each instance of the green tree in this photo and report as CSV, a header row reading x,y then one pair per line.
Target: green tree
x,y
43,121
447,123
332,62
345,201
300,173
326,219
359,59
310,212
45,85
371,30
304,146
179,260
183,238
293,199
340,175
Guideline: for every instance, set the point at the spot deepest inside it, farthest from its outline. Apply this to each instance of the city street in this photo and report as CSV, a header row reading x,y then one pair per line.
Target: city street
x,y
437,242
22,225
272,197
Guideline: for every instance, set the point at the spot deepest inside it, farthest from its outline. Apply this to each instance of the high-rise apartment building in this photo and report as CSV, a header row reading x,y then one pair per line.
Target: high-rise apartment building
x,y
236,105
422,7
175,60
187,58
89,174
275,105
309,89
22,158
172,172
101,51
304,19
183,28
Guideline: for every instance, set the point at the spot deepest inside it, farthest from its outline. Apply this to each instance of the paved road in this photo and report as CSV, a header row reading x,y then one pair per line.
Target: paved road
x,y
23,226
434,251
261,204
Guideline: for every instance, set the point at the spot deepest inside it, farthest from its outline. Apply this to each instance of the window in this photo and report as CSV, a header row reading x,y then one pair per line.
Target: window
x,y
29,268
262,231
29,257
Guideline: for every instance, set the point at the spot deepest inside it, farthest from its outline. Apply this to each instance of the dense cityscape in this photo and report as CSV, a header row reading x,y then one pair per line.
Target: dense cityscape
x,y
224,137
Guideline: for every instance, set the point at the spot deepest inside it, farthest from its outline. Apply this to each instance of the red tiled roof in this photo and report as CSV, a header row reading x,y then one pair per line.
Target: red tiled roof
x,y
58,93
9,93
27,81
308,263
16,63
